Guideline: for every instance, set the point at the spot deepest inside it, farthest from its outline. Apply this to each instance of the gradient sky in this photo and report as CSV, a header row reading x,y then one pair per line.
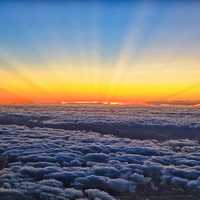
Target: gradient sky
x,y
106,51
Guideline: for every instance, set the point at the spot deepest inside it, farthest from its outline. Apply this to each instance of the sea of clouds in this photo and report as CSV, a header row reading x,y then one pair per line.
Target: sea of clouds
x,y
156,122
151,115
52,164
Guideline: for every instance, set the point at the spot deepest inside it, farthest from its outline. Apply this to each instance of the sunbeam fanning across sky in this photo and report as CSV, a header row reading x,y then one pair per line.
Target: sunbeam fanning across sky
x,y
130,52
99,99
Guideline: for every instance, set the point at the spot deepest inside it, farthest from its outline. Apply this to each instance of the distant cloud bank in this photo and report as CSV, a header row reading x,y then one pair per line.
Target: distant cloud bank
x,y
155,122
176,103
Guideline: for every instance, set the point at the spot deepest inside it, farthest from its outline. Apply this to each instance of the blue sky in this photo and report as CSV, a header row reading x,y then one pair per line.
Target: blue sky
x,y
29,29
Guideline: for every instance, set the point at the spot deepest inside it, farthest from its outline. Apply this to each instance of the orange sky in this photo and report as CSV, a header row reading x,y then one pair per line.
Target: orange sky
x,y
128,52
63,84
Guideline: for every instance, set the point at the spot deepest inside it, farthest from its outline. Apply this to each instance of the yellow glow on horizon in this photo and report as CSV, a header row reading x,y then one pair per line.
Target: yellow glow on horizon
x,y
63,80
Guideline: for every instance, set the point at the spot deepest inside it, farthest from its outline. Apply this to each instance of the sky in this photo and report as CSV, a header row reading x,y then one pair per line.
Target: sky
x,y
99,51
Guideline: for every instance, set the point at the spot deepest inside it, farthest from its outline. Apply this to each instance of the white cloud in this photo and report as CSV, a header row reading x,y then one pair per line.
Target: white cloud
x,y
65,164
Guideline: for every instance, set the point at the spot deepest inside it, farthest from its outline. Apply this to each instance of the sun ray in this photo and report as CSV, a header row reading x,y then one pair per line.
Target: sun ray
x,y
128,51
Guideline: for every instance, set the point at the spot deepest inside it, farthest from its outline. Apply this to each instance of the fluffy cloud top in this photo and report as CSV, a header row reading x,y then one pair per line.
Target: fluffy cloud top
x,y
45,164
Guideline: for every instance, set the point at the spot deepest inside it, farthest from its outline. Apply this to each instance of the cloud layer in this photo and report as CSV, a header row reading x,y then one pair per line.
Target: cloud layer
x,y
160,123
47,164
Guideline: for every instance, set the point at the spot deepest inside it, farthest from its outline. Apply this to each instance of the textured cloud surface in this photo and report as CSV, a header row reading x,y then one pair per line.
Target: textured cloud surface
x,y
51,164
123,121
